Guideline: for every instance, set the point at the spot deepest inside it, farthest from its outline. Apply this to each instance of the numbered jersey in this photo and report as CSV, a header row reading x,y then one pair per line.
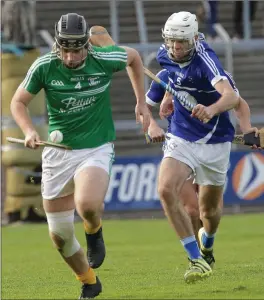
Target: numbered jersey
x,y
194,81
78,100
156,92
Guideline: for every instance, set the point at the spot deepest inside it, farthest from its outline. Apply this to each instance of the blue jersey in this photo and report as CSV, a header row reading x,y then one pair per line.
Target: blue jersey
x,y
156,92
194,81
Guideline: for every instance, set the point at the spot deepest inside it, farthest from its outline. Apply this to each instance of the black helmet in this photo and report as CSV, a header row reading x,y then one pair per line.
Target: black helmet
x,y
71,32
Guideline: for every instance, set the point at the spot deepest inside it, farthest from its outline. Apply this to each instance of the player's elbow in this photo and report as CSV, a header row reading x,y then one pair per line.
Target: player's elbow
x,y
133,56
15,101
14,104
242,105
16,107
237,107
20,101
233,98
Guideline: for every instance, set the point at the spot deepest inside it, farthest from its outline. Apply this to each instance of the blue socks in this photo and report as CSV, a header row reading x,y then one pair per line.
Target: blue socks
x,y
191,247
208,240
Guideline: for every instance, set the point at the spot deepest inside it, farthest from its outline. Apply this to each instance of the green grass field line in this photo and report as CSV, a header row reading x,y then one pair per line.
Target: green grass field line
x,y
144,260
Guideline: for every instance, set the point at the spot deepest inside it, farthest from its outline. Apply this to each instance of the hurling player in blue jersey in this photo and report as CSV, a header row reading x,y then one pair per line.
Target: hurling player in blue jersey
x,y
188,194
200,136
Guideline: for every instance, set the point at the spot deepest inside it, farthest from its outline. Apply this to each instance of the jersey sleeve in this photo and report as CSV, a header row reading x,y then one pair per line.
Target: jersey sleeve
x,y
211,66
232,82
114,58
32,82
156,92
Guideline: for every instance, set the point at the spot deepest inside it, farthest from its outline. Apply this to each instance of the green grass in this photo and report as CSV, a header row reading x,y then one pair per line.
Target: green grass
x,y
144,261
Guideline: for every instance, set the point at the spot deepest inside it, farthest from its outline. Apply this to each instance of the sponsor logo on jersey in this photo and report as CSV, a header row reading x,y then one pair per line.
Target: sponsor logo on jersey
x,y
248,177
72,104
93,80
57,83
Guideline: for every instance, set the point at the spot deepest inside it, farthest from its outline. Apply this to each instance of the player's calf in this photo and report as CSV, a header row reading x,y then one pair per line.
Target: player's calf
x,y
89,201
95,245
61,230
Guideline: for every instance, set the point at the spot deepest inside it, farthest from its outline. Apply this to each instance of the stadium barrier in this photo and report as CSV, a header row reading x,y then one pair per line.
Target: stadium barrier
x,y
133,183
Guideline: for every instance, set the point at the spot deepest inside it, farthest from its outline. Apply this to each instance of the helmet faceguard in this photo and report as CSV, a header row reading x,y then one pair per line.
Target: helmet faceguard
x,y
71,35
181,28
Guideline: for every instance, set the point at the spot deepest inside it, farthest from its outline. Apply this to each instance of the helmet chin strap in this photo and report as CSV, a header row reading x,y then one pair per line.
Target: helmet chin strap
x,y
77,64
185,59
189,53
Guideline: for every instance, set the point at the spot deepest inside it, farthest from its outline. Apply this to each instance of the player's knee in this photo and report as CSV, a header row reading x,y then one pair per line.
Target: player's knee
x,y
164,192
57,240
88,209
192,211
167,193
61,230
209,212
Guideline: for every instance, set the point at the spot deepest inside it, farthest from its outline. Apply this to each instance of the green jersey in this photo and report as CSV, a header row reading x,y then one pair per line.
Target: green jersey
x,y
78,100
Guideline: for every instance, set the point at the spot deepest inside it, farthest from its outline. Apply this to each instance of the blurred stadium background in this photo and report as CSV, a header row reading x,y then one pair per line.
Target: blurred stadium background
x,y
137,24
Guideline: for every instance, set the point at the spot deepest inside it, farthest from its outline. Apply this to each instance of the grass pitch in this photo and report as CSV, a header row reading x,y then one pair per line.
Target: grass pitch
x,y
144,260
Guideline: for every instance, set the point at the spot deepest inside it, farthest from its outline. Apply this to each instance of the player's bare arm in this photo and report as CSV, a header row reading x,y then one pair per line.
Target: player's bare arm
x,y
136,74
134,69
242,112
229,99
156,133
19,104
166,106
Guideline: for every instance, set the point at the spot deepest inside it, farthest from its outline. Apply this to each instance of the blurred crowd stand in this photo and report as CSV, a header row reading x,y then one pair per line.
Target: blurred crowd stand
x,y
208,13
21,167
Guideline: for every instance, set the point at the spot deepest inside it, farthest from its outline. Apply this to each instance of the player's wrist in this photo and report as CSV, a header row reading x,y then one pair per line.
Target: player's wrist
x,y
153,124
245,129
141,101
29,131
215,109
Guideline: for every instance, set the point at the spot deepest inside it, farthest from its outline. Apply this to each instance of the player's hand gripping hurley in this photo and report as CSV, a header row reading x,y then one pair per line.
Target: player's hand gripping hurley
x,y
40,143
248,139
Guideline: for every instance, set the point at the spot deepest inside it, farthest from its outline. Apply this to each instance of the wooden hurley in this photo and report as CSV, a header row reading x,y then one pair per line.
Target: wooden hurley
x,y
247,139
41,143
169,89
100,37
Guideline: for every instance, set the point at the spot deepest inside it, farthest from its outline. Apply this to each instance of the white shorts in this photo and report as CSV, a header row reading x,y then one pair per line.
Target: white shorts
x,y
59,167
209,162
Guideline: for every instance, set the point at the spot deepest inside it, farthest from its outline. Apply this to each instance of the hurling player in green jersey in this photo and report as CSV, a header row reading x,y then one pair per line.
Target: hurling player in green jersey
x,y
76,78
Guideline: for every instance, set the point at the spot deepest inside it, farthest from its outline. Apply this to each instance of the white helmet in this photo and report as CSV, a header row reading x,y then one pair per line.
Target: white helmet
x,y
181,26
